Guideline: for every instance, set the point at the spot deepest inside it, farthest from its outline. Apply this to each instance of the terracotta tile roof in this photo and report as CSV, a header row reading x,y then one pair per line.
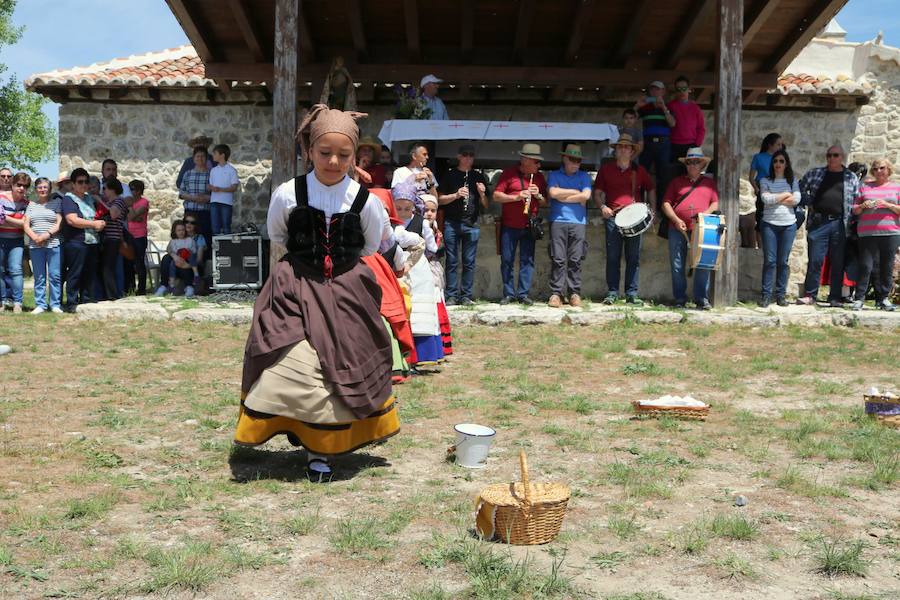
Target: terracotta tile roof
x,y
802,83
175,67
181,67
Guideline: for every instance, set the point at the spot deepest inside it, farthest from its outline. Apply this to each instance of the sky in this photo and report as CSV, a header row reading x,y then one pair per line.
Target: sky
x,y
69,33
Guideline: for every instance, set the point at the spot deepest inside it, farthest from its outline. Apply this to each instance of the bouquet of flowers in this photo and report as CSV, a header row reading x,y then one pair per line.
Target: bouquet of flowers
x,y
410,105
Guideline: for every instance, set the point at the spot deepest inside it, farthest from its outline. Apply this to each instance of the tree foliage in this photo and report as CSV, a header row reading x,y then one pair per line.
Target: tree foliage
x,y
26,135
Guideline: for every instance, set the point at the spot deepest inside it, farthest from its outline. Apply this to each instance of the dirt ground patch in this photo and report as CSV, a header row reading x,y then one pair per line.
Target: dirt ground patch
x,y
118,477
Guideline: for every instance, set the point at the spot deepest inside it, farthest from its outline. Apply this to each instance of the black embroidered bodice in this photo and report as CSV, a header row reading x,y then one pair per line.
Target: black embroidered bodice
x,y
325,247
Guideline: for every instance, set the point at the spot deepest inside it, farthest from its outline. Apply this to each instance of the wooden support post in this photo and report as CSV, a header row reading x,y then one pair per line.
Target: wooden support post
x,y
728,142
284,97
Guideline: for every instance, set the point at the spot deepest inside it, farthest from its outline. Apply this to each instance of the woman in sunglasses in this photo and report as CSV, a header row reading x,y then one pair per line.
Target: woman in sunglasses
x,y
81,240
12,246
780,193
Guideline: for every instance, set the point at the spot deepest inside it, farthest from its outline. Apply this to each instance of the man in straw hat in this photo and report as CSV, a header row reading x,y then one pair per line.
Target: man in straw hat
x,y
569,191
196,141
618,185
521,190
687,196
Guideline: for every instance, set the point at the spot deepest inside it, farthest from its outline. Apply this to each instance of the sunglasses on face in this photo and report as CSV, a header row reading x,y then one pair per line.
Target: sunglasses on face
x,y
190,222
468,154
5,176
693,162
81,182
682,88
577,161
833,155
779,162
881,168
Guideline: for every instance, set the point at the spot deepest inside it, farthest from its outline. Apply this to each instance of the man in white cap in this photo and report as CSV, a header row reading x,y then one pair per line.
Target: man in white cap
x,y
429,86
521,190
658,122
686,197
569,191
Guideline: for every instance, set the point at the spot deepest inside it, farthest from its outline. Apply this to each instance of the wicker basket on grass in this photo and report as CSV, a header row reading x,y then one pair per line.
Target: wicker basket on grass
x,y
698,413
522,513
885,408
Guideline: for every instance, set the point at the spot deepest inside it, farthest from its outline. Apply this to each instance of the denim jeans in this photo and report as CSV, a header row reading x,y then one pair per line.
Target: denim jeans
x,y
615,242
659,154
220,218
45,264
81,271
11,252
827,239
678,250
510,238
460,237
777,241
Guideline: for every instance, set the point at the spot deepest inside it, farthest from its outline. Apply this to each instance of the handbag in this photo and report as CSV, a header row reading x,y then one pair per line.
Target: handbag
x,y
663,231
126,244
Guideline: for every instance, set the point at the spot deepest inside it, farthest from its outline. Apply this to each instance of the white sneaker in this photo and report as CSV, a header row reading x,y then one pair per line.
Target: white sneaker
x,y
7,304
38,310
189,291
161,290
57,310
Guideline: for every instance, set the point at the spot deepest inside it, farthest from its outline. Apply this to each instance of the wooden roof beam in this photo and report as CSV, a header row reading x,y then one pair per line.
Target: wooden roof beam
x,y
824,11
629,34
686,32
190,26
307,48
413,43
756,17
354,14
467,34
477,74
242,18
580,24
523,27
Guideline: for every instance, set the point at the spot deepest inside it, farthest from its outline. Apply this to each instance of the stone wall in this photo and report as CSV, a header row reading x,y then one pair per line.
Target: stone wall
x,y
149,142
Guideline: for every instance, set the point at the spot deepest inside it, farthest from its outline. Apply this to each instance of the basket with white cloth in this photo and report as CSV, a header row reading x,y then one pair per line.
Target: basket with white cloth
x,y
673,406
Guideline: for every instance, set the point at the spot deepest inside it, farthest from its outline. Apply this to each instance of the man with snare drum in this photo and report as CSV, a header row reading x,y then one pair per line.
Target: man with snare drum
x,y
569,191
619,184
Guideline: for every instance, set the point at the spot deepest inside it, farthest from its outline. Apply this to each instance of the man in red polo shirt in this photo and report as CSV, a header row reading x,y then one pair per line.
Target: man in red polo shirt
x,y
618,185
686,197
521,190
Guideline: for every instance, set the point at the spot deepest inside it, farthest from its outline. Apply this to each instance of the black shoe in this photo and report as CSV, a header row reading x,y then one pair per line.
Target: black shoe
x,y
634,300
506,300
704,305
526,301
450,302
764,302
467,302
681,305
782,302
836,303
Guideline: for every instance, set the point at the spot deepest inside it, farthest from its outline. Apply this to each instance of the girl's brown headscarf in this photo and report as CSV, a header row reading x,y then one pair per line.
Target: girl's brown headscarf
x,y
321,120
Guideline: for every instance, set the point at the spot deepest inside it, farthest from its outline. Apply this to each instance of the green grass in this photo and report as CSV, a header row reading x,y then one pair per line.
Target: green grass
x,y
302,524
794,481
694,538
358,537
836,557
735,567
642,367
624,528
91,507
191,567
734,527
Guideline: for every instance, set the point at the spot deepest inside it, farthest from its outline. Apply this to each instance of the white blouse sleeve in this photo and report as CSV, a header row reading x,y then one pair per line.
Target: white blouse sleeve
x,y
428,236
375,225
280,207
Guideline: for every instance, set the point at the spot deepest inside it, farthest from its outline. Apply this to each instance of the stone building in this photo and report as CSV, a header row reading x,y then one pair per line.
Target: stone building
x,y
142,110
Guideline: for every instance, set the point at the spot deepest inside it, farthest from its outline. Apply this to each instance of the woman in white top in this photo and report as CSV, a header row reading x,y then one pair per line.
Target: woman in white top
x,y
43,220
780,193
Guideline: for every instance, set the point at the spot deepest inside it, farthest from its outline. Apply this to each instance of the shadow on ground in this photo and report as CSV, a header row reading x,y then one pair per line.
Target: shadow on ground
x,y
254,464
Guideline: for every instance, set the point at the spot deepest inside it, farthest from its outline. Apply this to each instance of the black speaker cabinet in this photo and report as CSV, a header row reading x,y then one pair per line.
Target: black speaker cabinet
x,y
239,261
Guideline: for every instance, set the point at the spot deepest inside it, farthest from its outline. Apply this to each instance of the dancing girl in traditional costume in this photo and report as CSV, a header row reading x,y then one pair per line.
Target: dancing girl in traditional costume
x,y
318,360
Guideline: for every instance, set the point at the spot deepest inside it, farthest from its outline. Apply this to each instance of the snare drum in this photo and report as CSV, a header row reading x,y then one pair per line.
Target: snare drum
x,y
634,219
708,242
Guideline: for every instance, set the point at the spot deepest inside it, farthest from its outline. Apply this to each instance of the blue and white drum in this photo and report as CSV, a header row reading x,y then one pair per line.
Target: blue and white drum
x,y
708,242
